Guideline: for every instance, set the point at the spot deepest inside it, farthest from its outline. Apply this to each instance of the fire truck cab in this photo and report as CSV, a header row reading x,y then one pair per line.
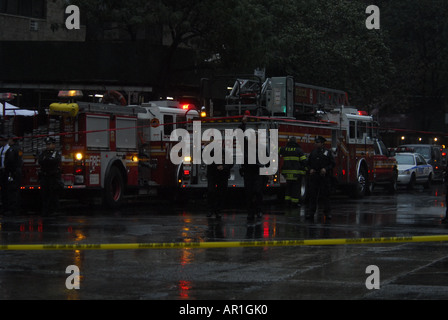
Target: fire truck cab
x,y
108,149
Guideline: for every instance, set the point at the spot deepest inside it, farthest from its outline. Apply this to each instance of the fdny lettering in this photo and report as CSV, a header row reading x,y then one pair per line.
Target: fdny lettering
x,y
306,138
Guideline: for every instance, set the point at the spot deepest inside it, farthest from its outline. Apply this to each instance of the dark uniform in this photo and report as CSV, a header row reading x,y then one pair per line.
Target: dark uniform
x,y
3,178
293,169
13,175
445,181
217,181
50,177
320,164
253,184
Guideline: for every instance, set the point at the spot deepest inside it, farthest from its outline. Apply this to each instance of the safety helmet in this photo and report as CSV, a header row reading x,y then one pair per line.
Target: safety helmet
x,y
49,140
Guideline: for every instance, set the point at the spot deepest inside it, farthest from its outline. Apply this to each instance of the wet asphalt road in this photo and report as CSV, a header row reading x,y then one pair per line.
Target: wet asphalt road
x,y
406,270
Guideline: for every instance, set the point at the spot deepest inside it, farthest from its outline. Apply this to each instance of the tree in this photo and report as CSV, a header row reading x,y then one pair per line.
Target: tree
x,y
326,43
418,31
319,42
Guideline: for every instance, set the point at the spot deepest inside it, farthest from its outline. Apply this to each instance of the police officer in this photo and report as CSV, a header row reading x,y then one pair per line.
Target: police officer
x,y
293,169
13,175
4,146
445,181
50,176
320,164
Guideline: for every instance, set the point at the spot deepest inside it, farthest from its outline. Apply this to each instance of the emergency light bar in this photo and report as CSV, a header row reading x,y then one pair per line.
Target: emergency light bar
x,y
70,94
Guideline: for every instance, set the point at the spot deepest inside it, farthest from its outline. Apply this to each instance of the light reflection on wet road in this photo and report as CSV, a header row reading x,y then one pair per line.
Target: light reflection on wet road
x,y
230,273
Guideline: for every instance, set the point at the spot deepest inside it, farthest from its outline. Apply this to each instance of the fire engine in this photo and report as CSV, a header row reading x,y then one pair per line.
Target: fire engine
x,y
108,149
305,111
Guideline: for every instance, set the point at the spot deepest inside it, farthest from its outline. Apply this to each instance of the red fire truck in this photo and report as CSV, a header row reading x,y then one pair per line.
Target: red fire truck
x,y
108,148
305,111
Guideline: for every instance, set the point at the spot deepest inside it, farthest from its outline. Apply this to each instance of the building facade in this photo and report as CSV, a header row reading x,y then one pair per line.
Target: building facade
x,y
36,20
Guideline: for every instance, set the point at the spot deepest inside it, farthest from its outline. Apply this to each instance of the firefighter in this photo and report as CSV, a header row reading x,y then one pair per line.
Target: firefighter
x,y
293,169
13,174
50,176
320,164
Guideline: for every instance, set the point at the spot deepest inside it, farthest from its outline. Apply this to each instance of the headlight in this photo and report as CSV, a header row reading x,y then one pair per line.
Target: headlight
x,y
78,156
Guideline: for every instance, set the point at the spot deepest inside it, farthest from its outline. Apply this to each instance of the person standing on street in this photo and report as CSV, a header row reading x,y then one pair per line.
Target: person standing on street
x,y
320,163
4,146
293,169
445,182
50,176
217,182
253,185
13,172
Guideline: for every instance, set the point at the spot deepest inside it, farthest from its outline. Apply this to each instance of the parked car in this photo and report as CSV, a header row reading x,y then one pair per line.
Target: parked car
x,y
432,154
413,169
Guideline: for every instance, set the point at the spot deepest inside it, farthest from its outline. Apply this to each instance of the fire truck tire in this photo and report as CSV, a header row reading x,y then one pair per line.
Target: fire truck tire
x,y
411,183
428,182
362,184
393,187
113,188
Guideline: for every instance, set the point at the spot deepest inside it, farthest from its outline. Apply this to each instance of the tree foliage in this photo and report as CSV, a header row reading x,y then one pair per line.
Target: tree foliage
x,y
319,42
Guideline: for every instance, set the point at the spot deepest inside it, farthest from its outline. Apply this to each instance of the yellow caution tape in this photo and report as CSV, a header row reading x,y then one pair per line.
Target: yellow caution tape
x,y
222,244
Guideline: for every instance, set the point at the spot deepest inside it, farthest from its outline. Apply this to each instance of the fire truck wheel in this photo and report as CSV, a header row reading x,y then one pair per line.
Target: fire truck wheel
x,y
113,188
428,182
411,183
362,184
393,187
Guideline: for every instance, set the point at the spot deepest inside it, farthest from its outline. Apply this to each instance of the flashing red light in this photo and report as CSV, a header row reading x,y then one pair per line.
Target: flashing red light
x,y
185,106
362,113
8,96
186,172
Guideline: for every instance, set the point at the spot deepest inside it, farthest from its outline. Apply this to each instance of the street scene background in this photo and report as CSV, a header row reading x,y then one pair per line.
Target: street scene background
x,y
129,60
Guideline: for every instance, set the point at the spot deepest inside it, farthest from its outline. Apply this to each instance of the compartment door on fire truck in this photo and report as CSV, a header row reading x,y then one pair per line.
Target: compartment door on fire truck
x,y
97,139
97,132
126,136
